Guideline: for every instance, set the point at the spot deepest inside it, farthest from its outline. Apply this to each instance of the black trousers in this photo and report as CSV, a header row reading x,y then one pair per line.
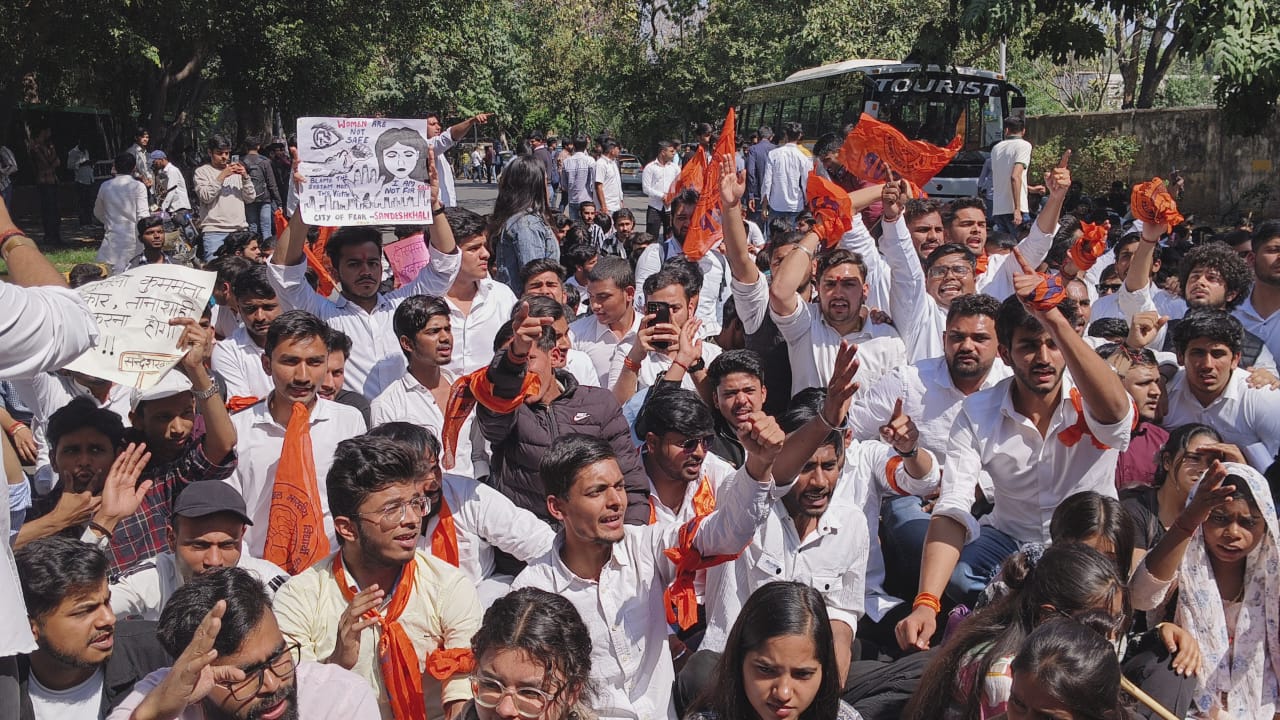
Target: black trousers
x,y
50,218
655,223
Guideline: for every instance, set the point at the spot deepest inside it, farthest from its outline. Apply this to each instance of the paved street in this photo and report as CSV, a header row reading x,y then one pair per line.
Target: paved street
x,y
479,197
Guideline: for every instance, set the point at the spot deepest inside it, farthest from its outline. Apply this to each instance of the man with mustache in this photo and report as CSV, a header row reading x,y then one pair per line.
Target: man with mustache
x,y
84,663
1258,312
231,662
715,270
238,359
676,430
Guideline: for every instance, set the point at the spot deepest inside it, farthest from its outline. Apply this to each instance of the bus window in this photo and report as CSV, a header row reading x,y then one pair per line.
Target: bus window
x,y
770,118
809,115
791,110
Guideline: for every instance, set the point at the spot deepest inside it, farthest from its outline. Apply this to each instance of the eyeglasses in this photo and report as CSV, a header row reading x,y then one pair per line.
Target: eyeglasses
x,y
690,444
941,271
283,665
529,702
1108,288
394,514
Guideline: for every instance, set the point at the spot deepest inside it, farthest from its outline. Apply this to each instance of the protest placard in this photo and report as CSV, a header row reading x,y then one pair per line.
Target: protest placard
x,y
136,343
364,171
407,256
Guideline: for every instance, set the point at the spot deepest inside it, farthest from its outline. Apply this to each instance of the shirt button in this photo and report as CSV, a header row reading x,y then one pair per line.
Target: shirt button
x,y
777,571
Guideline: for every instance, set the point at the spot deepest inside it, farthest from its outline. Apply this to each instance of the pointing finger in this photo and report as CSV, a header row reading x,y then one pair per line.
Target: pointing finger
x,y
897,410
1026,267
1066,156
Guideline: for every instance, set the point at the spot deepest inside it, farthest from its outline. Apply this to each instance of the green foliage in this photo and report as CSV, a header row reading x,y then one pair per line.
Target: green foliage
x,y
1096,159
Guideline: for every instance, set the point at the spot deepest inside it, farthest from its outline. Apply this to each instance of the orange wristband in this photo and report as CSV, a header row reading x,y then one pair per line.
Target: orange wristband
x,y
631,365
928,600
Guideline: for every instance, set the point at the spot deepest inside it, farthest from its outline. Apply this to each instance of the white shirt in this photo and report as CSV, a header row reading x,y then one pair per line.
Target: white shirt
x,y
578,178
812,346
624,611
238,361
144,589
579,365
655,364
607,175
376,358
1031,474
121,203
177,198
1146,299
80,162
225,321
80,702
715,281
15,630
441,144
598,342
42,328
406,400
1007,153
714,470
785,177
1246,417
656,181
484,520
260,440
474,332
1267,329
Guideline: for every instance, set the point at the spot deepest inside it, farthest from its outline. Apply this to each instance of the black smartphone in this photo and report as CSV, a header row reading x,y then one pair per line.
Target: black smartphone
x,y
662,314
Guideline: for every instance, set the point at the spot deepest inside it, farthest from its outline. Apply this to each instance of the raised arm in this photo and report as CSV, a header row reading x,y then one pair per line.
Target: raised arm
x,y
732,186
784,294
290,243
803,443
1163,560
461,129
219,434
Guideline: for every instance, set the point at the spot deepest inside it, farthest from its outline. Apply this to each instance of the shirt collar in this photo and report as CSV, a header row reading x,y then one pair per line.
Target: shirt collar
x,y
262,415
562,578
383,304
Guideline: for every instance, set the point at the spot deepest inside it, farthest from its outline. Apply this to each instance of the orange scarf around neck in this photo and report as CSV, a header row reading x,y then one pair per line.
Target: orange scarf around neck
x,y
704,501
444,539
295,526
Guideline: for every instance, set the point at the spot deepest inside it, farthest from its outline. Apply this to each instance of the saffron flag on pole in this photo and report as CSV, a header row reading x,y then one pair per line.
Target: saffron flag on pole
x,y
705,229
691,175
831,208
872,147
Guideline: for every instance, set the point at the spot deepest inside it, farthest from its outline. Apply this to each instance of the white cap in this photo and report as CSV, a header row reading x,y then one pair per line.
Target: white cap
x,y
171,383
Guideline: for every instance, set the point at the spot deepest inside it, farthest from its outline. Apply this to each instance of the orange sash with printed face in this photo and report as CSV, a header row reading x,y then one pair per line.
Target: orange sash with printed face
x,y
471,389
295,526
831,208
873,148
706,227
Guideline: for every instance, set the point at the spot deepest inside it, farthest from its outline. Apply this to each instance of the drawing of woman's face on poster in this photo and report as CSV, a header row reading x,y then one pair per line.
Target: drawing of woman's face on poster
x,y
402,154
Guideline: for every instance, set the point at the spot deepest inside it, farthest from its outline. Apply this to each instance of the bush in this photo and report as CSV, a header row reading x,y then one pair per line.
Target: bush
x,y
1096,160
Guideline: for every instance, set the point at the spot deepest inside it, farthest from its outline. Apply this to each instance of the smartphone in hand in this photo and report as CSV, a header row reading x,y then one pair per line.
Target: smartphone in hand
x,y
662,314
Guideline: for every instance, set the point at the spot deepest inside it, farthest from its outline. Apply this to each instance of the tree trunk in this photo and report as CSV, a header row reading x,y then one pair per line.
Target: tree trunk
x,y
1159,60
1128,62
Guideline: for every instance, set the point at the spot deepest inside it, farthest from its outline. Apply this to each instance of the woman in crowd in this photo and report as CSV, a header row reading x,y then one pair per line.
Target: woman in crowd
x,y
520,226
779,662
969,679
1068,671
532,660
1222,555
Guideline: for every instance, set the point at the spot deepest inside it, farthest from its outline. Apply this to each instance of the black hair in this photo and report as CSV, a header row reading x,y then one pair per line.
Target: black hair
x,y
805,406
218,142
147,223
577,254
416,437
538,266
1086,514
82,412
338,341
1001,239
54,568
465,224
140,131
622,213
1014,316
295,325
522,187
229,268
1264,232
585,203
1076,665
919,207
1207,323
792,130
237,242
687,197
247,606
837,257
1108,329
253,282
365,464
350,236
1179,438
1236,275
415,312
1015,124
729,362
613,268
675,410
946,249
82,274
973,305
827,143
125,163
541,306
545,628
607,145
777,609
676,271
572,452
962,203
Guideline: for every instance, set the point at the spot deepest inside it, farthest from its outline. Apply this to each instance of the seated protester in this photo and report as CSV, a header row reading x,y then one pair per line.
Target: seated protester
x,y
85,663
1000,243
673,349
534,641
238,359
421,611
532,404
1140,373
82,274
613,321
594,232
336,371
1257,313
714,269
684,476
232,661
479,306
1109,285
206,533
226,315
1222,553
567,358
1052,430
283,487
1065,668
1108,330
362,311
738,391
970,675
928,274
97,478
579,259
467,520
1212,389
421,397
639,243
624,228
783,627
543,276
615,576
151,235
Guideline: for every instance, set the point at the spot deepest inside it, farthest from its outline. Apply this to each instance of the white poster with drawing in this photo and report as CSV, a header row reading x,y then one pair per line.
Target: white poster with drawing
x,y
136,343
364,171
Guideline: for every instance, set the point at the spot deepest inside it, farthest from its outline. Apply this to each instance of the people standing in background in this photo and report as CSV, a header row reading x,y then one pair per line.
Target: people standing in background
x,y
141,143
171,187
608,180
81,166
440,142
1010,159
121,203
223,189
266,194
8,166
45,157
656,180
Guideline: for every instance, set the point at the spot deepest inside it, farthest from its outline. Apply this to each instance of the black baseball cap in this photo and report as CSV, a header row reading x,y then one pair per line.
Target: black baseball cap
x,y
208,497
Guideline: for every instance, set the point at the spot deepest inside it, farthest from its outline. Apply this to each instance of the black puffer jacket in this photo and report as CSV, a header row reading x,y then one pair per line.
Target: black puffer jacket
x,y
520,438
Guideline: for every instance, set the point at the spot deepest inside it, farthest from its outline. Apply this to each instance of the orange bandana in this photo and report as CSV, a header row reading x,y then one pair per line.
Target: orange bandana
x,y
1091,245
681,598
444,539
295,526
476,388
1152,203
704,501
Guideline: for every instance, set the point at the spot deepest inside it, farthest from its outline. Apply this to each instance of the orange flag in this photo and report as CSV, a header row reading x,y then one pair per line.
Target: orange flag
x,y
295,523
831,208
320,262
705,229
690,176
872,147
1151,202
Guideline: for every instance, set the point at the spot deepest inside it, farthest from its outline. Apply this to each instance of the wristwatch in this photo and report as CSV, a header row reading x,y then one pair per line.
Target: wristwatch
x,y
206,393
697,366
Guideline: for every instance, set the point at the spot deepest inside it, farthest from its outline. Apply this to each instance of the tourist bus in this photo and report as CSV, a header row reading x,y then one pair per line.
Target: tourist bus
x,y
924,103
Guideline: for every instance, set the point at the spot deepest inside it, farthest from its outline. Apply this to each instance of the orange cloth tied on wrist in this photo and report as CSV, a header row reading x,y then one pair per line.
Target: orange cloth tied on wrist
x,y
1091,245
1151,202
444,663
396,655
1047,294
236,403
295,525
831,208
681,598
476,388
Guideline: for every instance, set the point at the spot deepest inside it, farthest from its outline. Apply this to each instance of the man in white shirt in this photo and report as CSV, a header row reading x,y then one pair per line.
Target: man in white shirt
x,y
1212,389
608,188
478,305
361,311
1258,313
121,203
714,267
254,673
1108,306
613,322
296,357
440,142
238,359
172,187
656,180
206,532
615,576
578,177
1010,159
1054,429
80,163
676,429
786,176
